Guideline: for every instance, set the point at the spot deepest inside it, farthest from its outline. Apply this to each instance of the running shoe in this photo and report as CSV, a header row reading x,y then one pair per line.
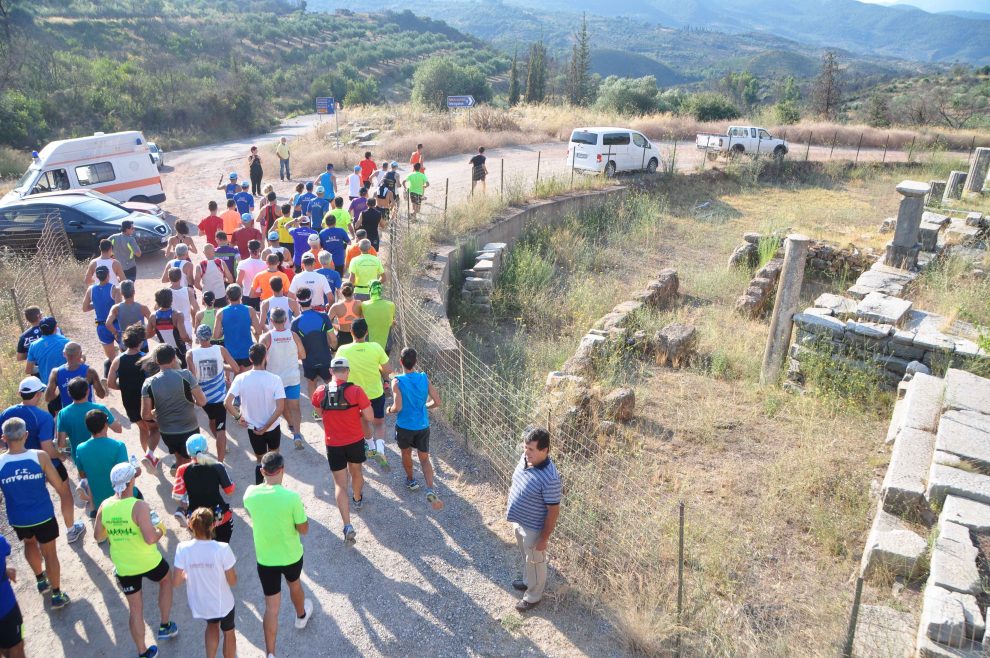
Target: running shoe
x,y
43,584
181,518
152,652
307,615
316,416
77,530
412,484
349,533
382,461
298,440
59,600
433,499
167,631
370,453
172,470
151,461
356,505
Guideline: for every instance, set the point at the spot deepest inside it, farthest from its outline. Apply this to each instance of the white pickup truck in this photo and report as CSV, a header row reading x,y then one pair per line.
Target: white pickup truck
x,y
742,139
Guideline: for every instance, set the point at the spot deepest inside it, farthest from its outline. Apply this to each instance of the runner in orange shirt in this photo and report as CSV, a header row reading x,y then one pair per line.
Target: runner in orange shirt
x,y
231,218
261,287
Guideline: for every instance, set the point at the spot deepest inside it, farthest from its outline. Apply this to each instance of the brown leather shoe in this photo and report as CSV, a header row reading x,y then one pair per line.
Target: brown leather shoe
x,y
519,585
524,606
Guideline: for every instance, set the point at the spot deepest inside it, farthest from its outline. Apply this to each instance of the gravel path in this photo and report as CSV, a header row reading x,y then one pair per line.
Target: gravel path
x,y
417,582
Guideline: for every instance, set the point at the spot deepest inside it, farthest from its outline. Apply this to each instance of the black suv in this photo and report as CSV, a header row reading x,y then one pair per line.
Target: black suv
x,y
87,220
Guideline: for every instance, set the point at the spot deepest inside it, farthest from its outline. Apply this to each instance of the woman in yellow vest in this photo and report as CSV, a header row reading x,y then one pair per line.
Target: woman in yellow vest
x,y
134,531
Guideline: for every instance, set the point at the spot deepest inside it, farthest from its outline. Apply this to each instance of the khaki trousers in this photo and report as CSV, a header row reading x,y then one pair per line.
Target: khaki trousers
x,y
534,563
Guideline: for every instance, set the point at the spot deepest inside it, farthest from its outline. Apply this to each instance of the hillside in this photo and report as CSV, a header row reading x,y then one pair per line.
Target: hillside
x,y
868,30
190,70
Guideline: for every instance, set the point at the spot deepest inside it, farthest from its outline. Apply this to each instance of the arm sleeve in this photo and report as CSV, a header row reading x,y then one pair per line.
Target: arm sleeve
x,y
224,477
180,558
298,512
179,488
227,558
552,492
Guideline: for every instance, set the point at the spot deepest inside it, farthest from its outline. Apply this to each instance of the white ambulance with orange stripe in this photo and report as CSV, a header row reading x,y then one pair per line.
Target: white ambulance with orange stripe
x,y
116,164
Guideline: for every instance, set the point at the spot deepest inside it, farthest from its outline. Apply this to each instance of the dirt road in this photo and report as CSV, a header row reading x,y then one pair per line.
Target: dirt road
x,y
417,582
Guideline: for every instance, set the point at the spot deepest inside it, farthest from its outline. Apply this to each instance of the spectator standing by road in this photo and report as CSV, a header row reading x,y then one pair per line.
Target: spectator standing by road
x,y
479,170
278,520
412,397
126,249
533,509
347,417
282,153
255,172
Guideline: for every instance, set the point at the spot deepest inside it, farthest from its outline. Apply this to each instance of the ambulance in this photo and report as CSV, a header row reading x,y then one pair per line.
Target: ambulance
x,y
117,164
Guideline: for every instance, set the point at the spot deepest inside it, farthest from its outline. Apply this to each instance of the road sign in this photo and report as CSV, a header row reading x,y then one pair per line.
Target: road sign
x,y
326,105
460,101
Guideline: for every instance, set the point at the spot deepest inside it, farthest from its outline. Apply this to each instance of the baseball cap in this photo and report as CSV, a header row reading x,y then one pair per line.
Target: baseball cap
x,y
319,189
48,323
340,363
304,220
233,175
357,168
246,217
273,235
209,297
245,183
308,257
204,332
196,444
313,239
120,475
309,185
395,165
30,385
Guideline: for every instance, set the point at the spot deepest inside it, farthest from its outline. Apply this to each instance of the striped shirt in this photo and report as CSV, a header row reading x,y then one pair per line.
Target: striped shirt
x,y
209,372
533,488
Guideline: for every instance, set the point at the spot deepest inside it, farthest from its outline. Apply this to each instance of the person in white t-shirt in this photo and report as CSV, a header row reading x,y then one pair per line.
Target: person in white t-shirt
x,y
317,283
207,566
262,405
247,269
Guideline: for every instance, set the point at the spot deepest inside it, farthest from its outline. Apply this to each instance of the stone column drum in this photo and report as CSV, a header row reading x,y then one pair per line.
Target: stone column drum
x,y
978,171
902,251
953,188
936,193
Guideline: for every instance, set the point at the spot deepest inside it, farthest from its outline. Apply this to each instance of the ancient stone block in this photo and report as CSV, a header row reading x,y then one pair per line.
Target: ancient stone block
x,y
970,513
675,344
883,309
892,548
964,390
619,405
883,632
953,561
950,618
954,186
841,307
945,480
970,444
903,488
820,325
923,403
869,330
752,238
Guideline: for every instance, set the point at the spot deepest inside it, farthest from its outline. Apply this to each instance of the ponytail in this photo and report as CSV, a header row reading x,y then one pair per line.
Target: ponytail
x,y
201,523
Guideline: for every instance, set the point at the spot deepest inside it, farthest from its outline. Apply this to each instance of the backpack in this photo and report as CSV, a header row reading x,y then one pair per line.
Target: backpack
x,y
334,400
383,190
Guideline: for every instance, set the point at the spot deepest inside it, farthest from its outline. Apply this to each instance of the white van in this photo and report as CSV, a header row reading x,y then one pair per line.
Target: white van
x,y
611,150
118,165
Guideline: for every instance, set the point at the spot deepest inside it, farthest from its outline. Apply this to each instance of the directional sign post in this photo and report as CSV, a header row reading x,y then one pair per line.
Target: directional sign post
x,y
326,105
460,101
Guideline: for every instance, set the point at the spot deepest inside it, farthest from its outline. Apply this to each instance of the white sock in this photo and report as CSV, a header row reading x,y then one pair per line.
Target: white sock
x,y
370,443
380,444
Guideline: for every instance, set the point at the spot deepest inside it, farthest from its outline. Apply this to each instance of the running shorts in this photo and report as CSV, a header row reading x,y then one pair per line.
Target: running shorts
x,y
216,412
132,584
265,442
415,439
340,456
226,622
271,577
43,532
11,628
176,443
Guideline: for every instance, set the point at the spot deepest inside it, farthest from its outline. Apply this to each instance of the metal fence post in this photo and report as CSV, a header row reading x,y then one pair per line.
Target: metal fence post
x,y
911,148
539,156
673,159
44,282
17,309
835,138
807,151
886,142
501,192
680,573
847,650
858,147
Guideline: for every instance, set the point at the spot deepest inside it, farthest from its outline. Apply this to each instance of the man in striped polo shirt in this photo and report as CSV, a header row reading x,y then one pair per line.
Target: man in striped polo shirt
x,y
534,505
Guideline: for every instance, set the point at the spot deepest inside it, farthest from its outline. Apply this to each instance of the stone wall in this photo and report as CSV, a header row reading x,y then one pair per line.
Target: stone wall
x,y
479,280
937,482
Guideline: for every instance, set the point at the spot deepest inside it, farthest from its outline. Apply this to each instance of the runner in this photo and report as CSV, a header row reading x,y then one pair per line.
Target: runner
x,y
236,325
23,475
282,226
479,170
261,286
127,375
243,236
182,263
358,205
269,214
101,298
364,269
96,457
262,404
315,249
170,398
329,273
255,171
334,238
244,199
368,364
127,313
231,188
283,360
181,237
134,533
354,183
354,250
368,169
300,240
343,217
412,397
300,188
33,316
328,181
347,415
274,247
107,260
206,363
316,343
321,294
380,314
200,484
126,249
209,225
372,220
247,269
231,218
208,566
183,300
208,315
11,619
75,366
40,427
277,521
300,205
345,312
416,184
70,423
211,273
278,300
229,254
385,196
46,354
417,157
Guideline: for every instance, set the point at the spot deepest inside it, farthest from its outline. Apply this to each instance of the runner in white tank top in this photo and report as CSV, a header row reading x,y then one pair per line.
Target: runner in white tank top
x,y
278,302
212,278
283,357
108,263
180,302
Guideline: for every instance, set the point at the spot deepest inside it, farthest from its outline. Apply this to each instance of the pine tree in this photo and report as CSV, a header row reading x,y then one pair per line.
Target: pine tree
x,y
827,94
579,73
536,73
514,81
878,111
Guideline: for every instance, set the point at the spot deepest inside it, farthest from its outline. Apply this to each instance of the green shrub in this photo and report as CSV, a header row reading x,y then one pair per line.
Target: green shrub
x,y
628,95
709,106
439,77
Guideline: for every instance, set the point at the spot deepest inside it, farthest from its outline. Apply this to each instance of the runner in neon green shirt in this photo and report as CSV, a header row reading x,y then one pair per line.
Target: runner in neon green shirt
x,y
277,522
380,314
343,217
364,269
416,183
368,364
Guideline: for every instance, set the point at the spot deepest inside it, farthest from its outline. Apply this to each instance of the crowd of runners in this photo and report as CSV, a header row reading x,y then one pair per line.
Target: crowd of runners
x,y
273,301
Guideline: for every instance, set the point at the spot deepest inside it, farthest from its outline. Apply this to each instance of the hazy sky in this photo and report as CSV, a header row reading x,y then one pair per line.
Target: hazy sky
x,y
940,5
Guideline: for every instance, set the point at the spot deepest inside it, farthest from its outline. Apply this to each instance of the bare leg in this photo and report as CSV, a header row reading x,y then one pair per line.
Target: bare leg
x,y
407,462
426,465
293,415
221,436
298,597
357,480
165,598
229,644
52,567
32,553
16,651
212,639
341,495
135,621
270,622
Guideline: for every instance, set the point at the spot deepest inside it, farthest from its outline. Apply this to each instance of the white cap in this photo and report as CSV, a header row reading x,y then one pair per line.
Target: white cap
x,y
31,385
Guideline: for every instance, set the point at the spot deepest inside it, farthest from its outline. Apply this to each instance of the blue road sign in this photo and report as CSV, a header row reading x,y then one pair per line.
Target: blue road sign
x,y
326,105
460,101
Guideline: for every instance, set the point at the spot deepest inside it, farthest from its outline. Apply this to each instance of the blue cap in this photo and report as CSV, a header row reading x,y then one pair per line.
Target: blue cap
x,y
246,217
196,444
273,235
357,168
232,175
245,183
394,164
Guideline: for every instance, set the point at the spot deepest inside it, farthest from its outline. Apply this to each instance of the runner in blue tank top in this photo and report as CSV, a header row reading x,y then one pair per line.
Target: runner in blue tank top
x,y
74,366
101,297
237,325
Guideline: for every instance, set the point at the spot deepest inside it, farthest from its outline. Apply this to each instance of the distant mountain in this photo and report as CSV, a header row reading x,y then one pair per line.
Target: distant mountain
x,y
606,62
970,15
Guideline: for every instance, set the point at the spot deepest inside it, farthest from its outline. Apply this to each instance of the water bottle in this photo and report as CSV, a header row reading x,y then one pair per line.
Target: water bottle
x,y
136,464
155,520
